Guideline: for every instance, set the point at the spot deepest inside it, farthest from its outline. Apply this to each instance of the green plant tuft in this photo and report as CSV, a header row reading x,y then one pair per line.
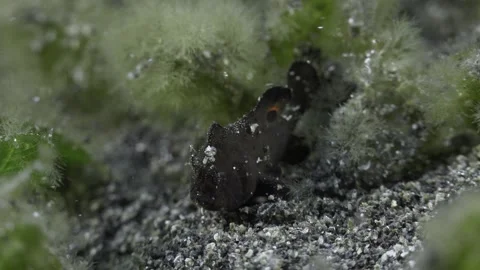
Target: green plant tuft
x,y
201,60
24,247
53,68
453,237
24,149
317,23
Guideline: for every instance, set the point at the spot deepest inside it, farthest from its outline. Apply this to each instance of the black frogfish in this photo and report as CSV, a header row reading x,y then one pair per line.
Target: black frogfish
x,y
236,158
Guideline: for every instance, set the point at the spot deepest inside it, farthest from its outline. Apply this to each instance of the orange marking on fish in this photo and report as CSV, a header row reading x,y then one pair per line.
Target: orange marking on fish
x,y
274,108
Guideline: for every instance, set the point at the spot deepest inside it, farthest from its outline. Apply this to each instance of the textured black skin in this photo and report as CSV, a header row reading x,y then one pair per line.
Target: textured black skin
x,y
249,148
